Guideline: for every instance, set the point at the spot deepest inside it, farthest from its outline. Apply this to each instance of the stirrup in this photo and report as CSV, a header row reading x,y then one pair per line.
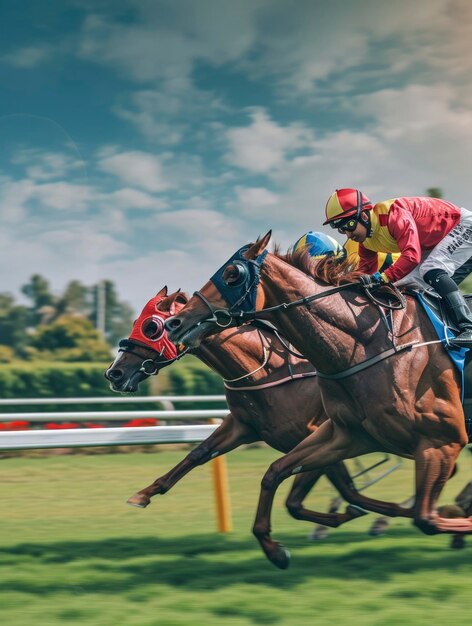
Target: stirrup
x,y
463,339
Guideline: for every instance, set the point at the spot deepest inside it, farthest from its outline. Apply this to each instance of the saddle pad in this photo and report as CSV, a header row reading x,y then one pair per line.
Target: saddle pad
x,y
459,356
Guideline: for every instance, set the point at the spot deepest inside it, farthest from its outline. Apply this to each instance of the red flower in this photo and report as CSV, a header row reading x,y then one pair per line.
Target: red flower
x,y
141,421
17,425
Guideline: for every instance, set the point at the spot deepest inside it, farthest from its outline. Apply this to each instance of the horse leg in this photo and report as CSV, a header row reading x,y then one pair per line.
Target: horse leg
x,y
433,468
328,445
228,436
302,484
380,525
342,480
463,500
321,532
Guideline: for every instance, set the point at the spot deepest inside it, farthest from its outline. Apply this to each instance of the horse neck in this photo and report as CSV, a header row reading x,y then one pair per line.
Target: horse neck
x,y
329,331
238,351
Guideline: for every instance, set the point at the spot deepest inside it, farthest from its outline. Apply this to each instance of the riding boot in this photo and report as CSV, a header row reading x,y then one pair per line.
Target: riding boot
x,y
461,315
455,304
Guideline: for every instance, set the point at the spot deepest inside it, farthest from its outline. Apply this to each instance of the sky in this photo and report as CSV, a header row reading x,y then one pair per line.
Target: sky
x,y
144,141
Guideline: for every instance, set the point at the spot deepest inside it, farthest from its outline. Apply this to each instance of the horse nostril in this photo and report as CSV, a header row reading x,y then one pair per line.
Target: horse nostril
x,y
173,323
114,374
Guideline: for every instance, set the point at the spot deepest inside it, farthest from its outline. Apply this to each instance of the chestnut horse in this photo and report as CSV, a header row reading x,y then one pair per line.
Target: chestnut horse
x,y
384,387
273,396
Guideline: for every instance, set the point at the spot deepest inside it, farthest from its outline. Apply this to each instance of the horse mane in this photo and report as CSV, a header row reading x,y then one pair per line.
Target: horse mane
x,y
329,270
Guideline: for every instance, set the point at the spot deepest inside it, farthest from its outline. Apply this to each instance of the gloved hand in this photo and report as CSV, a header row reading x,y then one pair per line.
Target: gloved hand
x,y
372,280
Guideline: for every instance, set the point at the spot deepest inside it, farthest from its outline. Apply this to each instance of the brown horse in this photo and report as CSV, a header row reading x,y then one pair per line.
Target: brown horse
x,y
273,396
384,388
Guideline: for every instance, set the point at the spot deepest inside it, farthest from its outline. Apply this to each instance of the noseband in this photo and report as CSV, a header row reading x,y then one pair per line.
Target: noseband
x,y
127,345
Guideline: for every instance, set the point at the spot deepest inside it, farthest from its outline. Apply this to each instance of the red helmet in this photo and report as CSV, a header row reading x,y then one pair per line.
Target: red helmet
x,y
345,203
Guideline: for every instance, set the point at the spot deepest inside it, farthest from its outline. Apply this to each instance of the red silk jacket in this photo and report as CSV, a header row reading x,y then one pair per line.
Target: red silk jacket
x,y
408,226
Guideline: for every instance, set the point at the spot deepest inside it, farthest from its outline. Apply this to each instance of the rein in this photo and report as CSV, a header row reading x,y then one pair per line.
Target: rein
x,y
258,369
224,318
245,316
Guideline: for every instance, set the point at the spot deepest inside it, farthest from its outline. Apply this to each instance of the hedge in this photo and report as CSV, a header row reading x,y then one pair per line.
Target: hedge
x,y
56,380
191,377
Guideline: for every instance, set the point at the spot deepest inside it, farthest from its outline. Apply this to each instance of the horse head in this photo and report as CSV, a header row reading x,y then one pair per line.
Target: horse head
x,y
226,299
148,348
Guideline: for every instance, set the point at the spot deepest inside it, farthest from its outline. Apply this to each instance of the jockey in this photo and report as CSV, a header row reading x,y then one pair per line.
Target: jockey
x,y
433,237
319,245
352,251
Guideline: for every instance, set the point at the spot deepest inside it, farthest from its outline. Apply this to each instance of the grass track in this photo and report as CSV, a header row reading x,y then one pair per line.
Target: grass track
x,y
71,552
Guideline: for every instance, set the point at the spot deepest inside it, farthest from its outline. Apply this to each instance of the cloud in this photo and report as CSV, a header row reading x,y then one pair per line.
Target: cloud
x,y
128,198
28,57
167,38
42,165
166,113
264,145
255,200
136,168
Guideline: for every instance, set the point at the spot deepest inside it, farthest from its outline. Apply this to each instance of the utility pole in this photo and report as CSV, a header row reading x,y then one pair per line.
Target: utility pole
x,y
101,306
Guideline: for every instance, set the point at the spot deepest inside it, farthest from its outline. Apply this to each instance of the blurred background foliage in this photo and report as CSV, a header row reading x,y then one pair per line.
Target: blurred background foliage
x,y
77,325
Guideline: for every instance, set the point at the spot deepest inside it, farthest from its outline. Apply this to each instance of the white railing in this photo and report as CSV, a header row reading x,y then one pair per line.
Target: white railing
x,y
168,413
89,437
110,400
107,416
78,437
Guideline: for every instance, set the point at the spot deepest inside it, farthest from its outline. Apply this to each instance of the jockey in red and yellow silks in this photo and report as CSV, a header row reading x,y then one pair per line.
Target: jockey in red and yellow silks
x,y
433,237
385,259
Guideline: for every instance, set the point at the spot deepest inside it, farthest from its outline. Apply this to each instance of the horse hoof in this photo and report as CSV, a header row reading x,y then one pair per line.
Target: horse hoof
x,y
378,528
458,542
139,500
318,534
280,557
355,511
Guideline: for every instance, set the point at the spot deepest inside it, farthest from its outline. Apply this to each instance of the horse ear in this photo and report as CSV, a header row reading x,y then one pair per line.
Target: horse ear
x,y
167,304
181,298
162,292
257,248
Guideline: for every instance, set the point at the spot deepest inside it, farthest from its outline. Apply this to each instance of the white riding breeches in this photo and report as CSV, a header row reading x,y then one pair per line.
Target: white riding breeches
x,y
450,253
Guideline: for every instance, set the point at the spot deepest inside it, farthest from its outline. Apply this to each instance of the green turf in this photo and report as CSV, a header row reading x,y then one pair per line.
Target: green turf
x,y
72,552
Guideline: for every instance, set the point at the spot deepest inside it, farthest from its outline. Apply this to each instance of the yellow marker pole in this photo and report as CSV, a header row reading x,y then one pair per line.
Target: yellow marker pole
x,y
221,490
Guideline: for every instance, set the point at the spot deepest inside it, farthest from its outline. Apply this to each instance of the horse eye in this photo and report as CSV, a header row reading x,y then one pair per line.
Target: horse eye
x,y
234,275
231,275
153,328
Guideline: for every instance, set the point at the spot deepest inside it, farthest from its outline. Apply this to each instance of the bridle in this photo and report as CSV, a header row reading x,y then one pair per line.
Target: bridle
x,y
128,346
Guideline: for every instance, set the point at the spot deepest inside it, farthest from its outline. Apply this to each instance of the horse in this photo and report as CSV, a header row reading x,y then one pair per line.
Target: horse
x,y
386,386
273,396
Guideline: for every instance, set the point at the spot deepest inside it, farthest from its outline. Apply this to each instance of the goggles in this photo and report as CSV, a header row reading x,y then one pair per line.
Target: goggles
x,y
345,224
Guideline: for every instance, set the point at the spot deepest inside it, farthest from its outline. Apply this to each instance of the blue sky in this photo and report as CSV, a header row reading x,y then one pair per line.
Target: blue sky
x,y
143,141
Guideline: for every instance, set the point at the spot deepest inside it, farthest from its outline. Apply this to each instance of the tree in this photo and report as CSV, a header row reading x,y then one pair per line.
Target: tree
x,y
14,322
434,192
69,338
76,300
42,300
119,315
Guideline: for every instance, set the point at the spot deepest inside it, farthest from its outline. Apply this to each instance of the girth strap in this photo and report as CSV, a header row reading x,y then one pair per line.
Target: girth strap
x,y
355,369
